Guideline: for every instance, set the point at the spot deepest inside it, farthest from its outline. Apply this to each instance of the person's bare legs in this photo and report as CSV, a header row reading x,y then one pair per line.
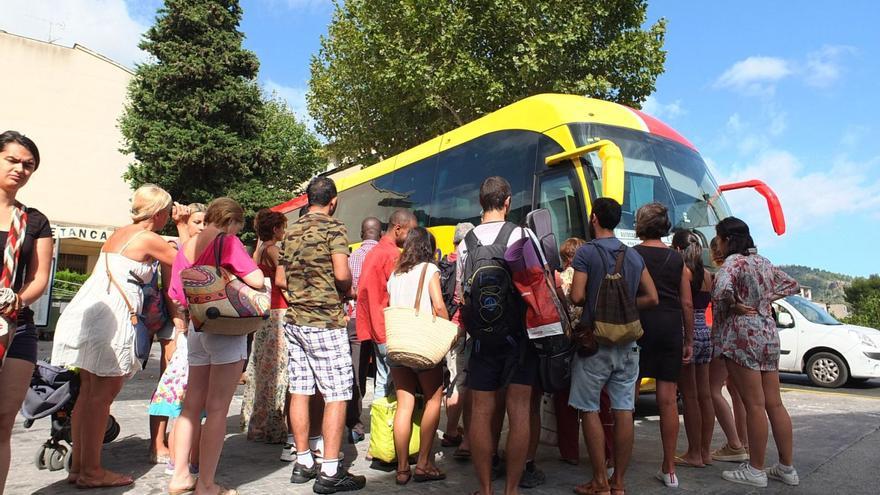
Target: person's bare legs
x,y
624,435
405,382
222,381
749,384
693,420
739,413
467,409
535,425
780,421
15,379
723,412
707,411
667,402
594,435
481,437
333,427
431,382
519,407
454,405
85,389
187,426
158,429
93,425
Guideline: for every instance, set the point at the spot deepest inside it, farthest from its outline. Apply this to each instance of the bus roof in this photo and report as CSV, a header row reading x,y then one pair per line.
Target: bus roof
x,y
538,113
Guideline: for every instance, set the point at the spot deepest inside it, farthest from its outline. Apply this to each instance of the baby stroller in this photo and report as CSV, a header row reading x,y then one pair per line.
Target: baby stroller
x,y
53,393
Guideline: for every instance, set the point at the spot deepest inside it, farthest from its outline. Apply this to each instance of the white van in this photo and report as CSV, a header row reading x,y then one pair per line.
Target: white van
x,y
828,351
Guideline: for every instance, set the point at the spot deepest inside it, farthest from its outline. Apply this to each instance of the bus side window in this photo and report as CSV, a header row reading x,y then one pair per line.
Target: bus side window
x,y
557,193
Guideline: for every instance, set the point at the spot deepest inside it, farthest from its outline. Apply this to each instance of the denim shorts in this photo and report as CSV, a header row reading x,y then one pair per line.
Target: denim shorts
x,y
613,367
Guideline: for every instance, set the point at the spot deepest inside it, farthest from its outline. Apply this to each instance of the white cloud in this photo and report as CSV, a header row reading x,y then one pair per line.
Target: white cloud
x,y
854,134
654,107
105,26
754,75
295,98
809,199
823,67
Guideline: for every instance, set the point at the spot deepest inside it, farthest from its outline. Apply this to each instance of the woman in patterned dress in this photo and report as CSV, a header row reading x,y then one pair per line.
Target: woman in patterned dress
x,y
744,289
263,409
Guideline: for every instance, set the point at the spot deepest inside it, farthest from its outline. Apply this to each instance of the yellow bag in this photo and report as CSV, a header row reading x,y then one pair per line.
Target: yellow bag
x,y
382,428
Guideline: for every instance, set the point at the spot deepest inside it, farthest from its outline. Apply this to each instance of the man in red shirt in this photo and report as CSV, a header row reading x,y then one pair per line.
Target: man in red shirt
x,y
372,293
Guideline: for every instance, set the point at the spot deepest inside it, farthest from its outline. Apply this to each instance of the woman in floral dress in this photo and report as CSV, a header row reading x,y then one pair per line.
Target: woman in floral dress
x,y
744,289
263,409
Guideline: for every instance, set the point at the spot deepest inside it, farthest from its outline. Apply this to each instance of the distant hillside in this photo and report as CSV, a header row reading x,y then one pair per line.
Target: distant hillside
x,y
827,286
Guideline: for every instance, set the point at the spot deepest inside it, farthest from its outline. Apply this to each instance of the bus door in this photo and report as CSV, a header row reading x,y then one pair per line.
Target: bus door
x,y
559,191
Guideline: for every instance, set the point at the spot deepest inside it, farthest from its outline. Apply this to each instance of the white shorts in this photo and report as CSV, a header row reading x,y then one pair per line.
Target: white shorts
x,y
206,349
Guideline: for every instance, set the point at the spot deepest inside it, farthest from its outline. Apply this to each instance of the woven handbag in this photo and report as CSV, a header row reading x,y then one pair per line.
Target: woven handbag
x,y
414,340
221,303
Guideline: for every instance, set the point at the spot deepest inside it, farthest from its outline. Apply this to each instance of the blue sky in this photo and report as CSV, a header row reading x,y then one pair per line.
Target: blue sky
x,y
784,92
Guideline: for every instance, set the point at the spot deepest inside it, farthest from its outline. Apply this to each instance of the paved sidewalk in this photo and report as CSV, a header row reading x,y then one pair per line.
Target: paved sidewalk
x,y
837,450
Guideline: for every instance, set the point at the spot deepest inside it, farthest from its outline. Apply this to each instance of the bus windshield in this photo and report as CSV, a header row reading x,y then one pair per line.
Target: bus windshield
x,y
657,169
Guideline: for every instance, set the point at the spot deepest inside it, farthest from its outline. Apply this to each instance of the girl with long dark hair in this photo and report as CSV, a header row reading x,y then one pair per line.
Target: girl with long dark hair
x,y
403,289
745,287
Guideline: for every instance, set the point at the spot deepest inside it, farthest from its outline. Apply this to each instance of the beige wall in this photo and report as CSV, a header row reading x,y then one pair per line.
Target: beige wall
x,y
68,100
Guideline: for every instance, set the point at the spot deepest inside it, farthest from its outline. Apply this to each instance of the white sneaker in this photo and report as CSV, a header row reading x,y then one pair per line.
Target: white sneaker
x,y
668,479
288,452
746,475
789,478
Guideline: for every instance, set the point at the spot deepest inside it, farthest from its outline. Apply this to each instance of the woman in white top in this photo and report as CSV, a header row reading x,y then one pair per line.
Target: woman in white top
x,y
403,288
95,333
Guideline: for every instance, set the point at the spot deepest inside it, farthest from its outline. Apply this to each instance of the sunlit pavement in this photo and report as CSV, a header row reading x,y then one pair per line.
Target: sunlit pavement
x,y
837,450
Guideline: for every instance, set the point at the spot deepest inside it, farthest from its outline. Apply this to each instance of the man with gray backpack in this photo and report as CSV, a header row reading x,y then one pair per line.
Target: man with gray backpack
x,y
493,314
611,282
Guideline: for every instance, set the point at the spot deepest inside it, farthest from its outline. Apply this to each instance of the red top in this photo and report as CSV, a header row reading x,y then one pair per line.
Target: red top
x,y
372,294
278,301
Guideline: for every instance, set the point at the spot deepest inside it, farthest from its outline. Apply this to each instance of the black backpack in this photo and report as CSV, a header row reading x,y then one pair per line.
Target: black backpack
x,y
493,312
447,285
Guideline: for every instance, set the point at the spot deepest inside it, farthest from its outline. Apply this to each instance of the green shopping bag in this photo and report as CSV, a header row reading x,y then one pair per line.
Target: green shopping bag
x,y
381,428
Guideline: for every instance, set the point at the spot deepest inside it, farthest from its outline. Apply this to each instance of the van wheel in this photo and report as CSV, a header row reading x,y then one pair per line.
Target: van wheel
x,y
827,370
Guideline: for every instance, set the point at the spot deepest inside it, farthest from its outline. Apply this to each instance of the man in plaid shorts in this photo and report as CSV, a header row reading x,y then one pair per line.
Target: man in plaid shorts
x,y
315,258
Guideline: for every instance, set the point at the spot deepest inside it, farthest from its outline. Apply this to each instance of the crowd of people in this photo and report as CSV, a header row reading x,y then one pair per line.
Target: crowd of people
x,y
307,367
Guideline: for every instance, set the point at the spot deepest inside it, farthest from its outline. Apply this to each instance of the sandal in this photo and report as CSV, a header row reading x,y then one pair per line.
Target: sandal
x,y
114,480
226,491
430,474
181,491
451,441
590,489
403,477
461,454
681,461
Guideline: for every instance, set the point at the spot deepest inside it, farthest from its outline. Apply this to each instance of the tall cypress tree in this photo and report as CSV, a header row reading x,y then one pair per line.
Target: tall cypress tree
x,y
196,121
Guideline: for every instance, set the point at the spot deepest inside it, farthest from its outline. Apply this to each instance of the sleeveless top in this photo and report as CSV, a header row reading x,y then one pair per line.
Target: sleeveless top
x,y
701,300
94,332
665,266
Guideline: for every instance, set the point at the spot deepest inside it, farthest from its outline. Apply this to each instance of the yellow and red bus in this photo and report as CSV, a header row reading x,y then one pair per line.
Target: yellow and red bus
x,y
558,152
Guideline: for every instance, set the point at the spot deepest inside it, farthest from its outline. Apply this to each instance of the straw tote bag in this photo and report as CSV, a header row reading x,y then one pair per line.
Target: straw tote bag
x,y
418,340
221,303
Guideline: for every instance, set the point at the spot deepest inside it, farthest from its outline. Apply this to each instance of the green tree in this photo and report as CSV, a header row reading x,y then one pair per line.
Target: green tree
x,y
196,121
393,73
863,297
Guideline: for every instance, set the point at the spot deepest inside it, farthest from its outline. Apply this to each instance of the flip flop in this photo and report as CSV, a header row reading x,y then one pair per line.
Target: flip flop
x,y
121,480
181,491
588,489
461,454
432,474
681,461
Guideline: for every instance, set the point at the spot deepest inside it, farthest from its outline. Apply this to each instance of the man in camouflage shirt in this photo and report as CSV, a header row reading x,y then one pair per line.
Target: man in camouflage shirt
x,y
315,258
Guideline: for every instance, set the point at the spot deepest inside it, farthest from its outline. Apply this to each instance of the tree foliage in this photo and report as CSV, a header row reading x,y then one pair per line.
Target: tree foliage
x,y
393,73
196,121
863,296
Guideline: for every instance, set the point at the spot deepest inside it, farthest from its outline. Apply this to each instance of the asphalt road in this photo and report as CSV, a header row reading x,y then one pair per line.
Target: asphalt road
x,y
870,388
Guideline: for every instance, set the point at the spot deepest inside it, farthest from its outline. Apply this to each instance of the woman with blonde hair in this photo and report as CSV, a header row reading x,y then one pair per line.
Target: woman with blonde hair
x,y
26,243
167,400
96,333
215,361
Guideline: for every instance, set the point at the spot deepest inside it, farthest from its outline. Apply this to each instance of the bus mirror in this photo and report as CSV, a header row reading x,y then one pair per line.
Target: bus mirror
x,y
777,217
541,223
612,165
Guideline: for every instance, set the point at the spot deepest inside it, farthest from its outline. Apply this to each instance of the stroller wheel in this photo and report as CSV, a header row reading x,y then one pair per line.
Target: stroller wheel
x,y
112,431
68,460
56,458
39,458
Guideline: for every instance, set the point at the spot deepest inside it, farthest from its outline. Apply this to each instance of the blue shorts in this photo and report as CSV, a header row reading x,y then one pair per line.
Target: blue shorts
x,y
613,367
24,343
